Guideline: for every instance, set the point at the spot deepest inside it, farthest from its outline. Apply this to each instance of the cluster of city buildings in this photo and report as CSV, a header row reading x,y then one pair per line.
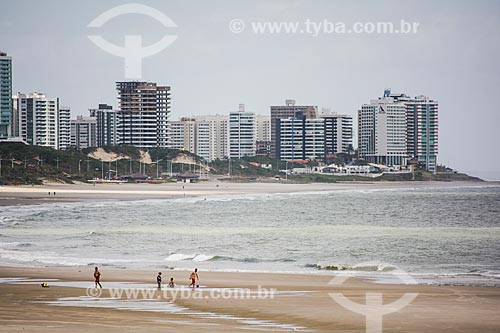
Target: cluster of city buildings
x,y
396,129
393,130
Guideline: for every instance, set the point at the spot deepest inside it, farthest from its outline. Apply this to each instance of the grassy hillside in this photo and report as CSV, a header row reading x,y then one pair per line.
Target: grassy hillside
x,y
22,164
420,175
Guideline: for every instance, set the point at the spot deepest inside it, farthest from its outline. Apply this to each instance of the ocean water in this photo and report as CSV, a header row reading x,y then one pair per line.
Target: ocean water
x,y
438,235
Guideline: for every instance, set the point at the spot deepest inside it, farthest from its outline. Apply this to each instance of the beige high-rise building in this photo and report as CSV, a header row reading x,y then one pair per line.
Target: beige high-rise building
x,y
183,134
262,128
205,136
262,135
217,129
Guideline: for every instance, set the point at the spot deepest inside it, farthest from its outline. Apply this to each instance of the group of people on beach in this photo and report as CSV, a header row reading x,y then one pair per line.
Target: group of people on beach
x,y
193,277
171,284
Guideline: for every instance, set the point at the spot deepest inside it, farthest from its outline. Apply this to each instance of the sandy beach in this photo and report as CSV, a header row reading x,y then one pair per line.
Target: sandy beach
x,y
12,195
301,303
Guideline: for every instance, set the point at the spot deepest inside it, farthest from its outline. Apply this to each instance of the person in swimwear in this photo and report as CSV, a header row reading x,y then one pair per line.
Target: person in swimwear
x,y
158,280
97,277
194,277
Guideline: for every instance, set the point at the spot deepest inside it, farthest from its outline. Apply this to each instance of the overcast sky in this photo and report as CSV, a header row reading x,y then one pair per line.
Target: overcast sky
x,y
454,58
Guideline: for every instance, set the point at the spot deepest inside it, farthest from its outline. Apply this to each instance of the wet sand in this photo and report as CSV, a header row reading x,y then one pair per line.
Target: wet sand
x,y
301,303
14,195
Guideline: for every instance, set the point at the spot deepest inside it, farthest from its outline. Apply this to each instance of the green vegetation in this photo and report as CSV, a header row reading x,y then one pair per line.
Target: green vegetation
x,y
343,159
322,178
421,175
313,178
23,164
398,177
455,177
243,167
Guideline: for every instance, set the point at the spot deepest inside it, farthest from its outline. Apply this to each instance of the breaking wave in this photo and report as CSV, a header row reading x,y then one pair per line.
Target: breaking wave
x,y
204,257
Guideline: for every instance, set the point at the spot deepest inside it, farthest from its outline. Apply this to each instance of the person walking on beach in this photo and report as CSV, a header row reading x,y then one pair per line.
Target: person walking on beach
x,y
194,277
158,280
97,277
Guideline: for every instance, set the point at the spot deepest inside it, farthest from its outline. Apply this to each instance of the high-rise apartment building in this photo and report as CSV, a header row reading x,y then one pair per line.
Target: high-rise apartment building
x,y
382,133
106,125
40,120
205,136
144,109
218,138
203,140
241,133
64,127
6,109
422,131
176,134
299,138
338,133
262,128
262,135
183,134
83,132
289,110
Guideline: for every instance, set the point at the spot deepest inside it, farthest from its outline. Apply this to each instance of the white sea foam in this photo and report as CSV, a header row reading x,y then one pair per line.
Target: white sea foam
x,y
51,258
9,244
202,257
193,257
179,257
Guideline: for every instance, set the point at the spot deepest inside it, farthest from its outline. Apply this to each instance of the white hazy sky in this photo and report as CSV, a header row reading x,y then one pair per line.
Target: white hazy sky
x,y
454,58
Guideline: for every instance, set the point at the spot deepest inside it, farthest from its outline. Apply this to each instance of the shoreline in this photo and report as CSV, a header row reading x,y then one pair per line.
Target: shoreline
x,y
39,194
301,303
454,279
